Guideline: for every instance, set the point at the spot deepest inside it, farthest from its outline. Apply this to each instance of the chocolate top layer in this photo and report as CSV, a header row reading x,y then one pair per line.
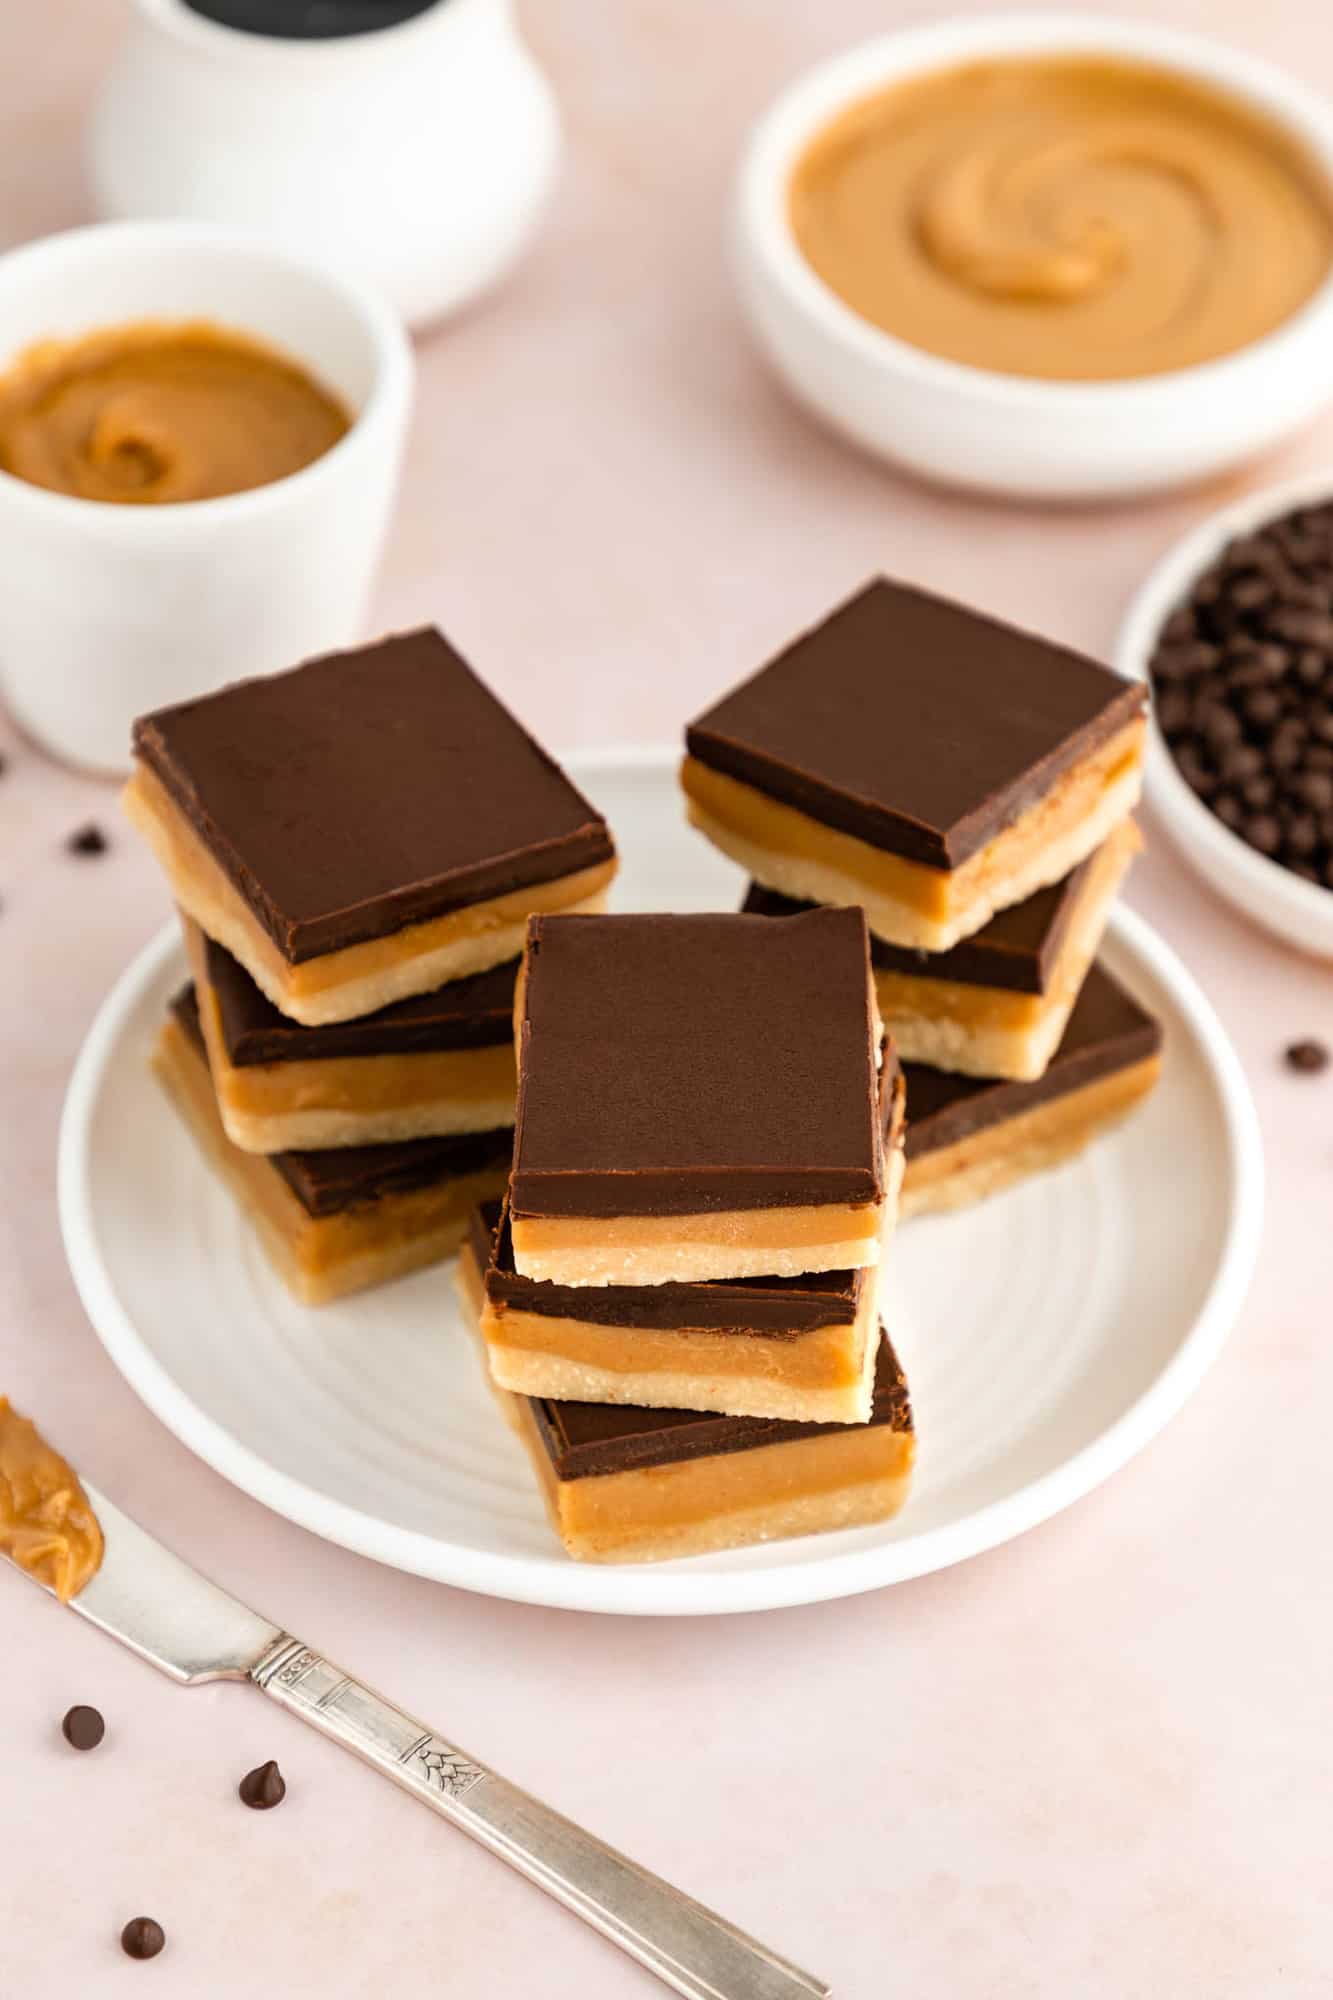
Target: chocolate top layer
x,y
777,1308
1016,951
913,723
329,1182
1107,1031
671,1065
369,790
466,1014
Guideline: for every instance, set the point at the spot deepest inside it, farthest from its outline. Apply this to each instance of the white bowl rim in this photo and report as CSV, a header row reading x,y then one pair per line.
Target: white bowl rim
x,y
1166,585
98,242
645,1589
815,97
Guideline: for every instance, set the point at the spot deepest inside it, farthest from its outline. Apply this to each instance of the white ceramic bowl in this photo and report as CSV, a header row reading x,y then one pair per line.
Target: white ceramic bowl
x,y
107,611
1006,433
1299,911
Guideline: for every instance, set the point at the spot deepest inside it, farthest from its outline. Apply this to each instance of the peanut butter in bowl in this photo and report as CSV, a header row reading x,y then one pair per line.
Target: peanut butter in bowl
x,y
1075,217
156,412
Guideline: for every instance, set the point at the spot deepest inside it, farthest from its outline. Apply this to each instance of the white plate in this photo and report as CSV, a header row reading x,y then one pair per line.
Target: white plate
x,y
1047,1335
1299,911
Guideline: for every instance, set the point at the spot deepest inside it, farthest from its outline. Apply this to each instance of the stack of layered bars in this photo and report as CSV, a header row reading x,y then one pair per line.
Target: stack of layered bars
x,y
355,847
679,1297
970,787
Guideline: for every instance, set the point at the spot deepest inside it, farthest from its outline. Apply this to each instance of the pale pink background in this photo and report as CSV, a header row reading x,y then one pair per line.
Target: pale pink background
x,y
1097,1763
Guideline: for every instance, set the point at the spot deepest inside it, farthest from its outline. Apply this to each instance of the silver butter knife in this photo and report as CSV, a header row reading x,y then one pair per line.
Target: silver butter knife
x,y
166,1612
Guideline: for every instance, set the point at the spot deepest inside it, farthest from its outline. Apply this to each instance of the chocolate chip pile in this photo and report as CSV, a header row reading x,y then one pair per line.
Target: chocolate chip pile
x,y
1243,682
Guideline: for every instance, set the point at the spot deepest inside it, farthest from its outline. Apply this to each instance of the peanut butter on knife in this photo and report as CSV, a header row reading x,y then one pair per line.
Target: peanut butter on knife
x,y
47,1525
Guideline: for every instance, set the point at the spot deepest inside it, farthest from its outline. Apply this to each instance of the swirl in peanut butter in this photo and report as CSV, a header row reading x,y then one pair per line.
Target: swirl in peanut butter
x,y
47,1526
1062,217
154,413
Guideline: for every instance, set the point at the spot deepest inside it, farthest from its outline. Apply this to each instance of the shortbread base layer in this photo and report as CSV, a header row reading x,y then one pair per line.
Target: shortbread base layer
x,y
992,1031
844,1479
691,1249
998,1155
360,978
905,902
355,1100
320,1258
823,1377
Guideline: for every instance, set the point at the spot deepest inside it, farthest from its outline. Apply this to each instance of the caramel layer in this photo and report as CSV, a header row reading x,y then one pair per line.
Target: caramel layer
x,y
320,1258
995,1156
359,978
826,1376
906,902
842,1479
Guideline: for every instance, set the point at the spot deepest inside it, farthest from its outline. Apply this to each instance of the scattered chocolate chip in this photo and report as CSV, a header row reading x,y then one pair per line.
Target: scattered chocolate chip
x,y
142,1937
263,1787
83,1728
89,839
1307,1058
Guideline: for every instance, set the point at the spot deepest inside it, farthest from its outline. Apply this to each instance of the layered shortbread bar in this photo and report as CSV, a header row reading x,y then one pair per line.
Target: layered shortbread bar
x,y
623,1484
699,1097
364,827
340,1221
427,1067
995,1005
920,760
802,1348
967,1138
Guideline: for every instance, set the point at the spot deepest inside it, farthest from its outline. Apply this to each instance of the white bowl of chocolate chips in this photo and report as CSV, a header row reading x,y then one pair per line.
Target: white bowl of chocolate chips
x,y
1233,630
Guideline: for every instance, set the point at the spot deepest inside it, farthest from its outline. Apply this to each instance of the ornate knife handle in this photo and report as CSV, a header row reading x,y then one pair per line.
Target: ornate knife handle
x,y
695,1952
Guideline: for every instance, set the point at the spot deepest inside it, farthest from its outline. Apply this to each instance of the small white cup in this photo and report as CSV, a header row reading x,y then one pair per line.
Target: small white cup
x,y
107,611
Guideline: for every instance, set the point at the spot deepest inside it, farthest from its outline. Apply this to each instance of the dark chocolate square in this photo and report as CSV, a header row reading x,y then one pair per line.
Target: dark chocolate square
x,y
913,723
677,1064
472,1013
368,790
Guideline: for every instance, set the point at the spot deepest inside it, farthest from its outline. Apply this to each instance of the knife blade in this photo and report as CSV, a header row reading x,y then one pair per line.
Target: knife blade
x,y
192,1630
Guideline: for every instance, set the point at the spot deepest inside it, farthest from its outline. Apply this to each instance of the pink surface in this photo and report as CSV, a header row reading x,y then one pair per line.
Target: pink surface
x,y
1096,1763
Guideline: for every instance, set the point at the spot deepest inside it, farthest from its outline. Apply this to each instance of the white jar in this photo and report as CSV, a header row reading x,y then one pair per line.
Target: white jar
x,y
417,157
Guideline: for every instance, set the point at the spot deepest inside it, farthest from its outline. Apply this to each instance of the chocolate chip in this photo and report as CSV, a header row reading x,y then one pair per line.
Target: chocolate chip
x,y
89,839
1307,1058
1315,788
263,1787
142,1937
1302,835
1263,832
1262,707
83,1728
